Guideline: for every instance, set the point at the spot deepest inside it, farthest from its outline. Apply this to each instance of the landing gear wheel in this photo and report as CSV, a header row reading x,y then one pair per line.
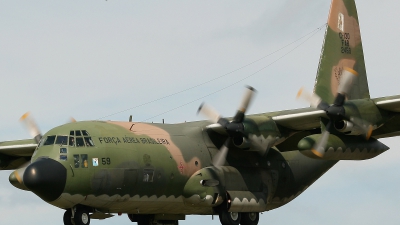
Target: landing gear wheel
x,y
82,217
250,218
229,218
68,217
145,220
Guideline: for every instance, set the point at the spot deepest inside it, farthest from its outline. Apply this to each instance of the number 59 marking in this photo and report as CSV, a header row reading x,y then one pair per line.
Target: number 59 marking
x,y
105,161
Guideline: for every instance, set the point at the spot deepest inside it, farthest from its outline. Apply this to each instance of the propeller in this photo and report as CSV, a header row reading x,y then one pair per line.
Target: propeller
x,y
234,128
335,112
30,124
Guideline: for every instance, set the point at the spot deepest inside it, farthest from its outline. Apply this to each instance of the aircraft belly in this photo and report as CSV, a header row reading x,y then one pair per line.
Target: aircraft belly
x,y
135,205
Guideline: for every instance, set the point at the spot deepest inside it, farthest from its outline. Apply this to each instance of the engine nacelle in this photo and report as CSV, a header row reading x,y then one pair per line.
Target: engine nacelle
x,y
241,142
347,128
343,147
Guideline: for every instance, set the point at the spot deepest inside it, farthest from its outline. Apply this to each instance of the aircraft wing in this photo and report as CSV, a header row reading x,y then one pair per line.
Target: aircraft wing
x,y
391,103
13,154
392,127
309,118
299,119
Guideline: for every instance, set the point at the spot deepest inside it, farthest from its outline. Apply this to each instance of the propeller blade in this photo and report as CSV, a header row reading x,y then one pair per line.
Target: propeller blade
x,y
364,125
319,147
220,157
32,127
314,100
346,80
210,113
248,96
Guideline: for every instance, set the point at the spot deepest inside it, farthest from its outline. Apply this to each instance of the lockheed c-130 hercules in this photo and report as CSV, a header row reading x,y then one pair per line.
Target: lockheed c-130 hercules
x,y
232,167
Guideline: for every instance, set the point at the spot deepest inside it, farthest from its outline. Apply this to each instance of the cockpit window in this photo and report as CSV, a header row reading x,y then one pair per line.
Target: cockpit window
x,y
80,139
72,141
89,142
80,142
61,140
50,140
68,140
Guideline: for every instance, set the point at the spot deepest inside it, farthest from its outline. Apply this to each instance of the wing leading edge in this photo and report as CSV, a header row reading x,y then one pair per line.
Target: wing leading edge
x,y
309,118
14,154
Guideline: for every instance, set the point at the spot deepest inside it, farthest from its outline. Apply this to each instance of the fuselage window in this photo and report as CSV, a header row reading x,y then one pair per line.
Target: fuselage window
x,y
50,140
80,142
89,142
78,133
81,161
61,140
76,161
84,160
72,141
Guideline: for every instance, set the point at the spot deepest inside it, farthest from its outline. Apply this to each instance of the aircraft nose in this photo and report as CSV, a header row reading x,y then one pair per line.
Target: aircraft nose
x,y
46,178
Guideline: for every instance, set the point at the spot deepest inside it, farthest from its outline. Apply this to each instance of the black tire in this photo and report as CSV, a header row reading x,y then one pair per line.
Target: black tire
x,y
145,220
81,217
229,218
251,218
68,217
133,217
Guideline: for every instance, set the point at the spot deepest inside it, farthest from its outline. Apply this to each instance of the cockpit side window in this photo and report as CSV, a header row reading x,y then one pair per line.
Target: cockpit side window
x,y
50,140
85,133
80,142
78,133
61,140
89,142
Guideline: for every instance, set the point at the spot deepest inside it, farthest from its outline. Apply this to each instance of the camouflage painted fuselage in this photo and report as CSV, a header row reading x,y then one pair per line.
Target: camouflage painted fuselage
x,y
167,169
143,168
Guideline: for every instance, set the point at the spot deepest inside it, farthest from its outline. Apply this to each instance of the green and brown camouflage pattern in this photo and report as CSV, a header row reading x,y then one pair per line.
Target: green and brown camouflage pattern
x,y
176,153
342,48
166,170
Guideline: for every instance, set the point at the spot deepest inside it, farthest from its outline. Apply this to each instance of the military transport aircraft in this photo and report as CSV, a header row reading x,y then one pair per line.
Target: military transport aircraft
x,y
232,167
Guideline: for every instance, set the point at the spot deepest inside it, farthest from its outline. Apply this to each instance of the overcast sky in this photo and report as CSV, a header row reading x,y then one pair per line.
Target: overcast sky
x,y
91,59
